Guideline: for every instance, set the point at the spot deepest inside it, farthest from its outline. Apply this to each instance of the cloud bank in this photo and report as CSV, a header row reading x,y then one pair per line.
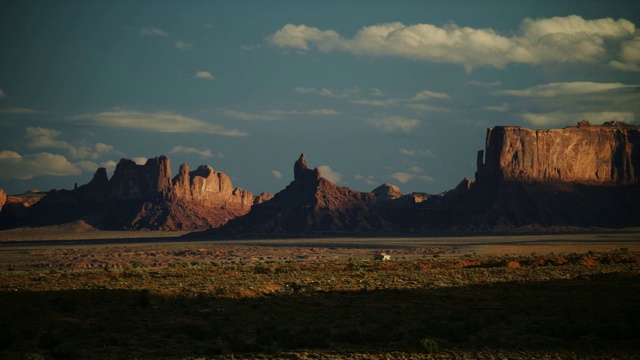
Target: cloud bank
x,y
570,39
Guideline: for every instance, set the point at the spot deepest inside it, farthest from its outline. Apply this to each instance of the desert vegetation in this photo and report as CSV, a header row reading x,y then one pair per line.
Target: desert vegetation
x,y
468,306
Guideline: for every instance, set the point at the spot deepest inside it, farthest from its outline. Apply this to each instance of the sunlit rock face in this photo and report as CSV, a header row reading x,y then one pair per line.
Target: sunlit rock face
x,y
142,197
604,154
209,188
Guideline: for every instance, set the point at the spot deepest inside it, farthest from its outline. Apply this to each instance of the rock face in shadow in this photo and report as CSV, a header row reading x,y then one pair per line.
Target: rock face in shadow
x,y
310,204
141,197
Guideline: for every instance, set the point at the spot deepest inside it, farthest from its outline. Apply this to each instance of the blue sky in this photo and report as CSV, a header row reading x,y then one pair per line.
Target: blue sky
x,y
372,92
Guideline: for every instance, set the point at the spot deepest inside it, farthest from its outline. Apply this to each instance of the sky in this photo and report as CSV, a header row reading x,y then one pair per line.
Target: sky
x,y
372,92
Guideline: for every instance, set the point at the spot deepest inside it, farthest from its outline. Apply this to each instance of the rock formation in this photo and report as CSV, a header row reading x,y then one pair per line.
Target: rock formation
x,y
606,154
142,197
579,176
310,205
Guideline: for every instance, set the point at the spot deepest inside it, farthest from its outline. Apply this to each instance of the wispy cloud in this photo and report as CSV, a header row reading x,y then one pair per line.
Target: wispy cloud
x,y
275,114
2,94
497,108
153,32
421,152
165,122
19,111
567,88
247,116
204,75
395,123
206,153
368,179
348,93
276,174
570,39
183,45
492,84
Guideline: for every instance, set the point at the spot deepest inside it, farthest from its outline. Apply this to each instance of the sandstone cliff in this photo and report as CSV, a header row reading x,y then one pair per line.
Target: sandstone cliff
x,y
605,154
141,197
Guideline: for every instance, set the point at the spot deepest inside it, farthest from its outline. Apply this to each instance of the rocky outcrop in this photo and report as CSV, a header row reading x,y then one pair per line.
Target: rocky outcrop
x,y
386,192
605,154
263,197
209,188
310,205
141,197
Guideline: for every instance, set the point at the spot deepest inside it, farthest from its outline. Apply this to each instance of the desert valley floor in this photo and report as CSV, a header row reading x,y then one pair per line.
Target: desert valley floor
x,y
150,295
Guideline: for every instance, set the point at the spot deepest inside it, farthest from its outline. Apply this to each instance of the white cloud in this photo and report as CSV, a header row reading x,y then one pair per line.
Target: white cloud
x,y
497,108
395,123
183,45
327,173
165,122
189,150
153,32
404,177
88,166
24,167
204,75
571,118
38,137
276,174
408,152
566,88
110,165
140,160
416,169
569,39
426,94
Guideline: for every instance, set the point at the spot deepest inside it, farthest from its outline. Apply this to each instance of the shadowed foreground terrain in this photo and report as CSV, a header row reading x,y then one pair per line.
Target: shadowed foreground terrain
x,y
560,306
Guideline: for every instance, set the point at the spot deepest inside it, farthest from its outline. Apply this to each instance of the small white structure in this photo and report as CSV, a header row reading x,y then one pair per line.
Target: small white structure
x,y
382,256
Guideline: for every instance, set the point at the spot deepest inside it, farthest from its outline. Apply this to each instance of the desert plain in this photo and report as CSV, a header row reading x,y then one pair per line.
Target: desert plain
x,y
87,294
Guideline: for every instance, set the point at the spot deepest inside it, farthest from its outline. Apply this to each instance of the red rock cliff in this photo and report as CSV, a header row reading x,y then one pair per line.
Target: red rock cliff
x,y
606,154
